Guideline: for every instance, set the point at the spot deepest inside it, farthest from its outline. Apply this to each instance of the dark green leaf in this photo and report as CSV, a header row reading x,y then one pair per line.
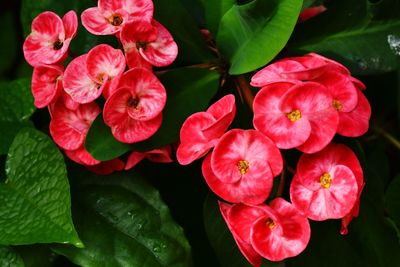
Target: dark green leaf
x,y
251,35
8,50
189,90
15,109
192,48
214,11
10,258
123,222
221,238
392,200
37,255
101,144
363,36
35,196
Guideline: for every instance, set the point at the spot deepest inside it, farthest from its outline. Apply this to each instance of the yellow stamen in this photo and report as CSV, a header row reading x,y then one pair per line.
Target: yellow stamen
x,y
295,115
337,105
271,224
325,180
243,166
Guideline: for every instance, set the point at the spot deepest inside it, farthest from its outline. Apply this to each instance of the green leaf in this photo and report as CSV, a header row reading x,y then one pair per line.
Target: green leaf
x,y
364,36
37,255
392,200
192,47
214,11
123,222
35,197
101,144
251,35
189,90
222,240
10,258
8,39
15,109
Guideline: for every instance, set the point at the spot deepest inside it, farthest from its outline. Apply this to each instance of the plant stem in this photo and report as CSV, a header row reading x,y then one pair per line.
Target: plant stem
x,y
244,90
388,136
281,186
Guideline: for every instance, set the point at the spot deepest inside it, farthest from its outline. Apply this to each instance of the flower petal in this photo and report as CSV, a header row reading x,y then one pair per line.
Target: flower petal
x,y
46,84
78,84
70,22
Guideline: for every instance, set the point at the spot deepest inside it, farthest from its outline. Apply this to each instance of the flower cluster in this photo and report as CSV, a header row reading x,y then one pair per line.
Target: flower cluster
x,y
303,102
134,97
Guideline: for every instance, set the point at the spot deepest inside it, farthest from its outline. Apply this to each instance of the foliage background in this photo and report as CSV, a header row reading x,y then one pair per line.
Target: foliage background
x,y
354,32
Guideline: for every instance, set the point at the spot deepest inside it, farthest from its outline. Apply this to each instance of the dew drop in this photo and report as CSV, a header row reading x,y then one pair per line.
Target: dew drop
x,y
157,248
394,43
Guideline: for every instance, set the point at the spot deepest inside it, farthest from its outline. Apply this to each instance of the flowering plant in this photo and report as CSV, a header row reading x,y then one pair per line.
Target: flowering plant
x,y
199,133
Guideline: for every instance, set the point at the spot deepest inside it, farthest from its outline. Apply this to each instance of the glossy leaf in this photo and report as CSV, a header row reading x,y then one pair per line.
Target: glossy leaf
x,y
222,240
214,11
101,144
9,257
251,35
364,36
35,197
189,90
15,109
191,46
123,222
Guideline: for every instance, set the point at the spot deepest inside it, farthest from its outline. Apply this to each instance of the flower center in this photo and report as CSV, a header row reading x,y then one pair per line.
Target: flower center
x,y
337,105
58,45
325,180
133,102
243,166
271,224
295,115
141,44
116,20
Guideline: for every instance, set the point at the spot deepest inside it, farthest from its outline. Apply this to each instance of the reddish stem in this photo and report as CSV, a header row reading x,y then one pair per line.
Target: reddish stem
x,y
244,90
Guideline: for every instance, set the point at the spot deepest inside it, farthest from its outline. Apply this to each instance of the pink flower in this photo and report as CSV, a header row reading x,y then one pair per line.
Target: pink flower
x,y
242,166
275,232
133,111
110,16
69,127
88,75
327,184
202,130
296,115
161,155
148,43
296,69
46,84
50,37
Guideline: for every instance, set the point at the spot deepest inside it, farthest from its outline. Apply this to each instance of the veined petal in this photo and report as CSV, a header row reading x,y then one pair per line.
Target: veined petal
x,y
69,127
70,22
273,73
163,51
356,122
46,84
132,131
270,120
96,23
81,156
78,84
137,9
102,61
245,248
134,158
249,191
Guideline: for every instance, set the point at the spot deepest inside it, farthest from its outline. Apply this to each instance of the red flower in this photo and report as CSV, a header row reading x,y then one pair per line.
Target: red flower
x,y
202,130
82,156
69,127
46,84
133,111
242,166
107,167
275,232
88,75
327,184
148,43
296,115
161,155
311,12
50,37
110,16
